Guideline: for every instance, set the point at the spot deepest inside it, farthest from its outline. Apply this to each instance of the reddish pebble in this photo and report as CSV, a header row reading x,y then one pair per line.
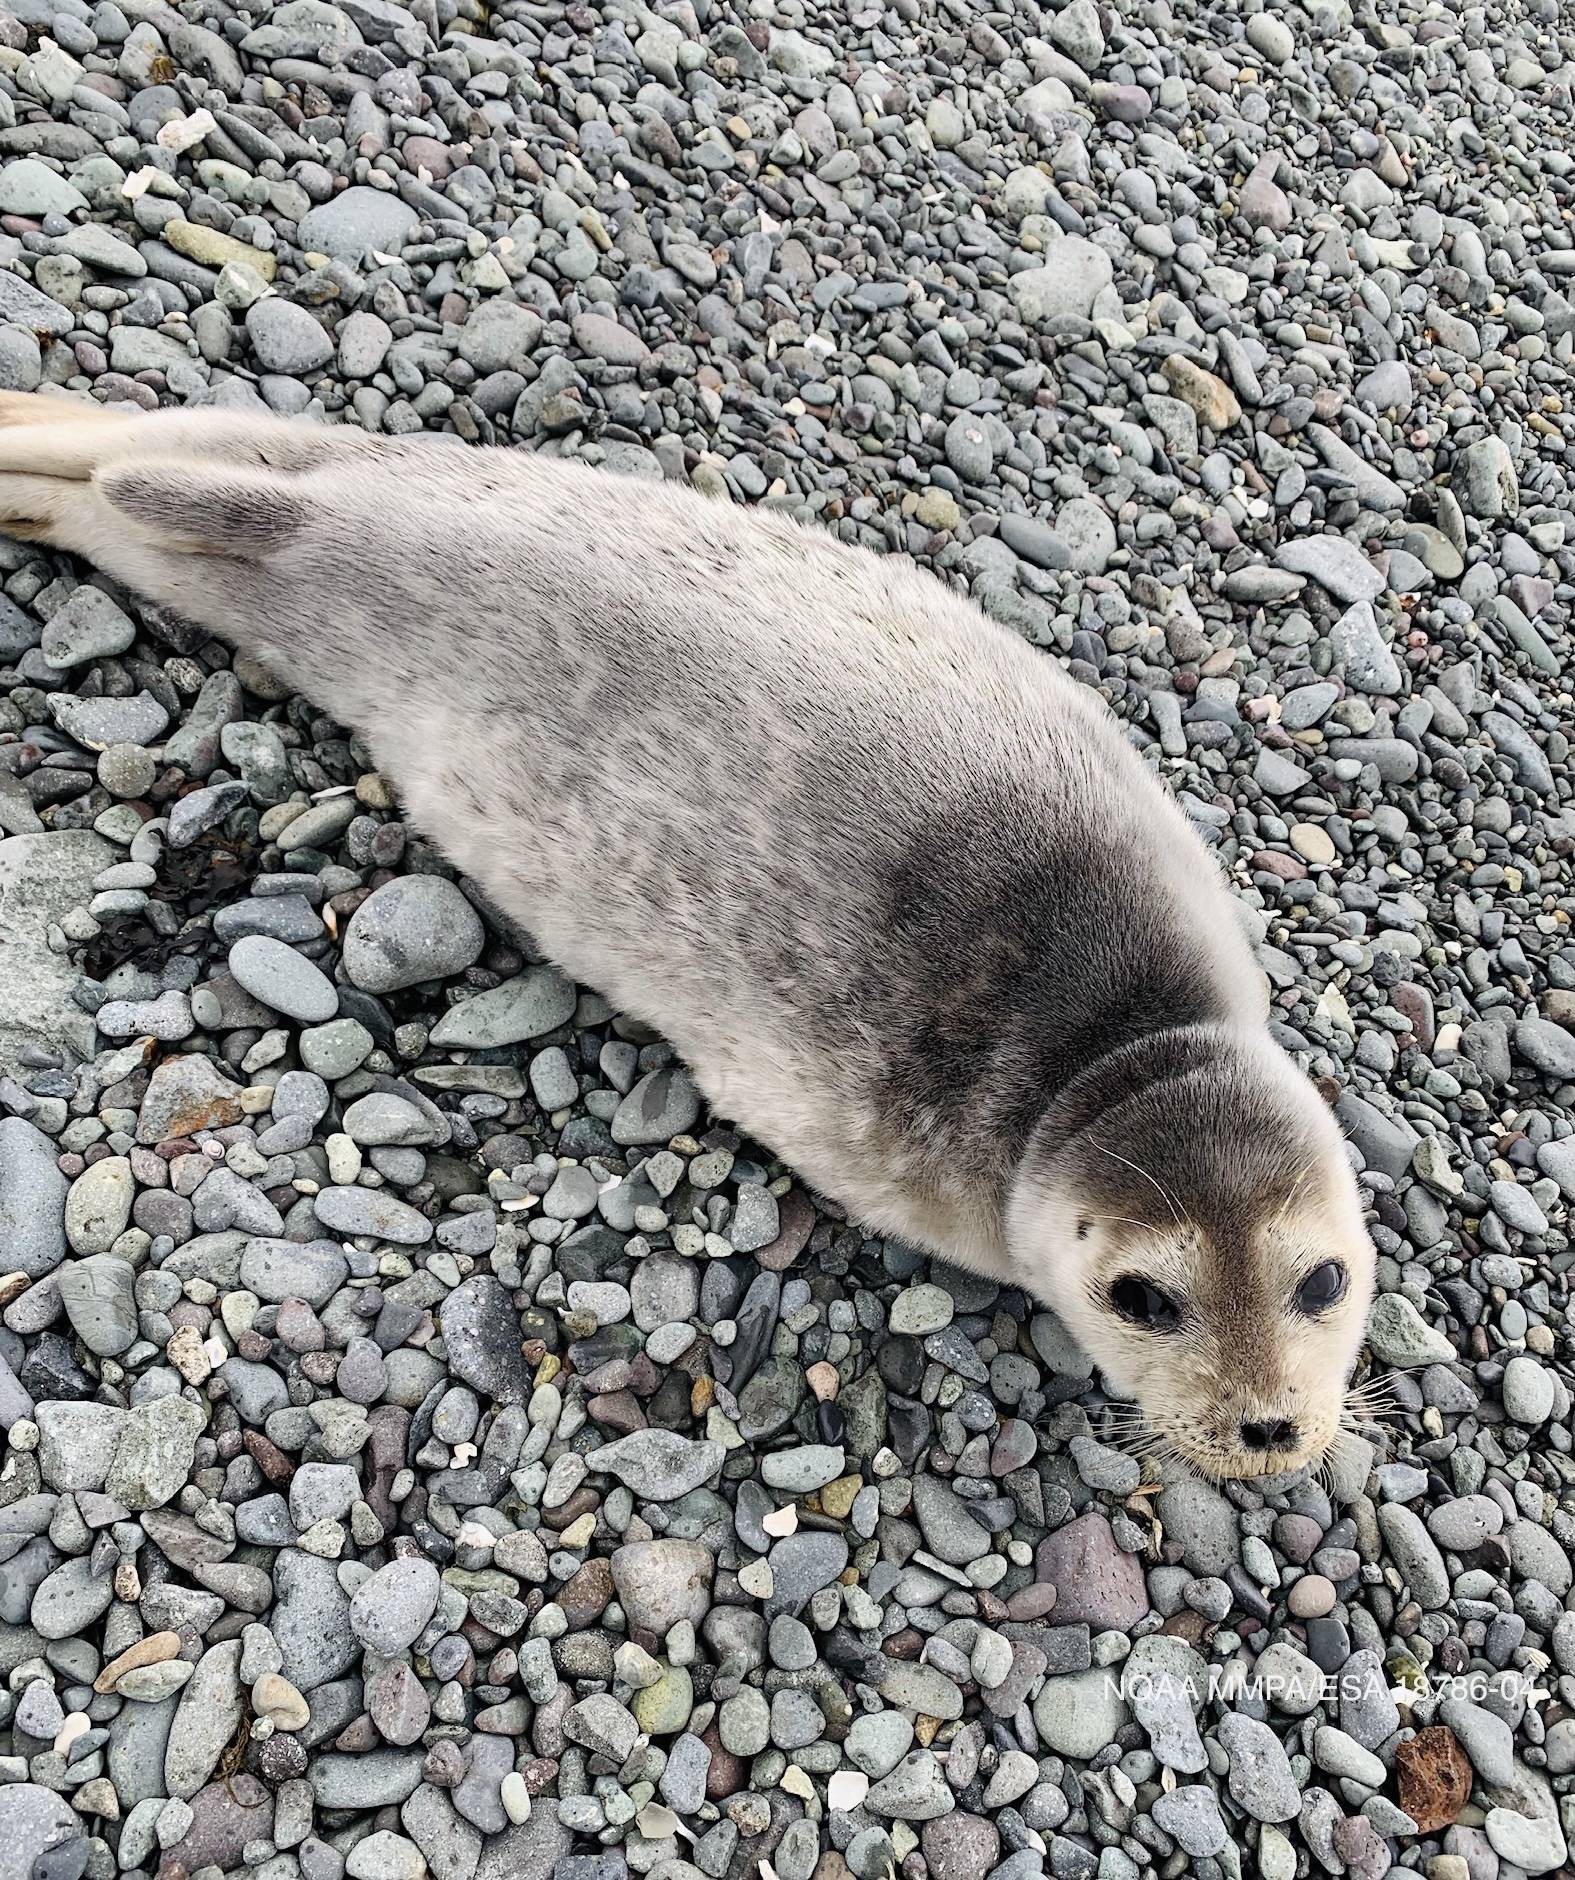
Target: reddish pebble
x,y
823,1380
1032,1601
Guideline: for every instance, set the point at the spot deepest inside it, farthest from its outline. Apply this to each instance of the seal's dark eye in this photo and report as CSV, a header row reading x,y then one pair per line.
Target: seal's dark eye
x,y
1321,1288
1142,1304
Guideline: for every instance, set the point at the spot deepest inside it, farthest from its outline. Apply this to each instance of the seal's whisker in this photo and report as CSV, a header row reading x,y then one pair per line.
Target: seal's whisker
x,y
1380,1416
1158,1186
1294,1192
1125,1220
1339,1445
1127,1430
1380,1395
1121,1435
1376,1398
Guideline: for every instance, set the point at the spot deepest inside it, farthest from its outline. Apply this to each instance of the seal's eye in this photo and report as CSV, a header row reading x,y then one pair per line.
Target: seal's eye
x,y
1321,1288
1142,1304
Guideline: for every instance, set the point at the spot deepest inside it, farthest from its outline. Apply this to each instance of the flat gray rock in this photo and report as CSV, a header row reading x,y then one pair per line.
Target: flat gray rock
x,y
33,1820
32,1195
373,1212
481,1334
283,979
99,1297
209,1711
311,1620
357,220
1071,276
535,1002
391,1610
42,878
660,1463
154,1456
22,305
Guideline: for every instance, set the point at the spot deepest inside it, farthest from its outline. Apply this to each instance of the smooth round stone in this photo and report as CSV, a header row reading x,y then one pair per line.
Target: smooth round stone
x,y
662,1708
32,1820
411,930
662,1105
744,1723
337,1048
282,979
127,770
89,626
277,1270
98,1205
1311,841
1312,1597
1269,34
30,187
381,1119
800,1470
1529,1390
669,1342
661,1583
357,219
921,1309
391,1610
278,1700
285,337
1464,1523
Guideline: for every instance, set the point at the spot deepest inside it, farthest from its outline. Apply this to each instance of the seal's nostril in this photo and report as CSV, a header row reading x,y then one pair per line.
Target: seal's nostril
x,y
1272,1433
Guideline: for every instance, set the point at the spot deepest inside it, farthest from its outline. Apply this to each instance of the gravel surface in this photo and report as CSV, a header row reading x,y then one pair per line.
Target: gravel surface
x,y
434,1447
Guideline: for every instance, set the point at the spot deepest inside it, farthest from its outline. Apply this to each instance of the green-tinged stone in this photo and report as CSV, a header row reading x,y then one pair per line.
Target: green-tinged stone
x,y
214,250
663,1708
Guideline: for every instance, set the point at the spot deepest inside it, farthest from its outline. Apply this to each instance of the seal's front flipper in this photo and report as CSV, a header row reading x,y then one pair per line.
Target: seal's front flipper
x,y
212,508
194,509
194,482
49,450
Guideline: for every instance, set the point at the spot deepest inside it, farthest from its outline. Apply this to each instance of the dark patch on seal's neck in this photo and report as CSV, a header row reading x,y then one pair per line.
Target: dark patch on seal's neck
x,y
1006,973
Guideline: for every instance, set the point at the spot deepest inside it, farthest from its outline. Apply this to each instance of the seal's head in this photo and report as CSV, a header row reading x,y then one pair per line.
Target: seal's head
x,y
1188,1209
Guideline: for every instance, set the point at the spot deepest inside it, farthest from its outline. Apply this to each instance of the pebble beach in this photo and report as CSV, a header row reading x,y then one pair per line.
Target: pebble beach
x,y
435,1447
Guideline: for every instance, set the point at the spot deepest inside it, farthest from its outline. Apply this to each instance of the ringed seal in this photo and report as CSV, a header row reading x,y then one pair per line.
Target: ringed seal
x,y
915,913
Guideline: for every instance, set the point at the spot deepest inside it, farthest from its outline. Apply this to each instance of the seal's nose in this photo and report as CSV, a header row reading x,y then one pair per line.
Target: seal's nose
x,y
1275,1433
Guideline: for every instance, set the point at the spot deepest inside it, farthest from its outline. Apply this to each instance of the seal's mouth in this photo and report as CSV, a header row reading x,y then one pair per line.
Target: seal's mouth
x,y
1162,1438
1251,1465
1242,1465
